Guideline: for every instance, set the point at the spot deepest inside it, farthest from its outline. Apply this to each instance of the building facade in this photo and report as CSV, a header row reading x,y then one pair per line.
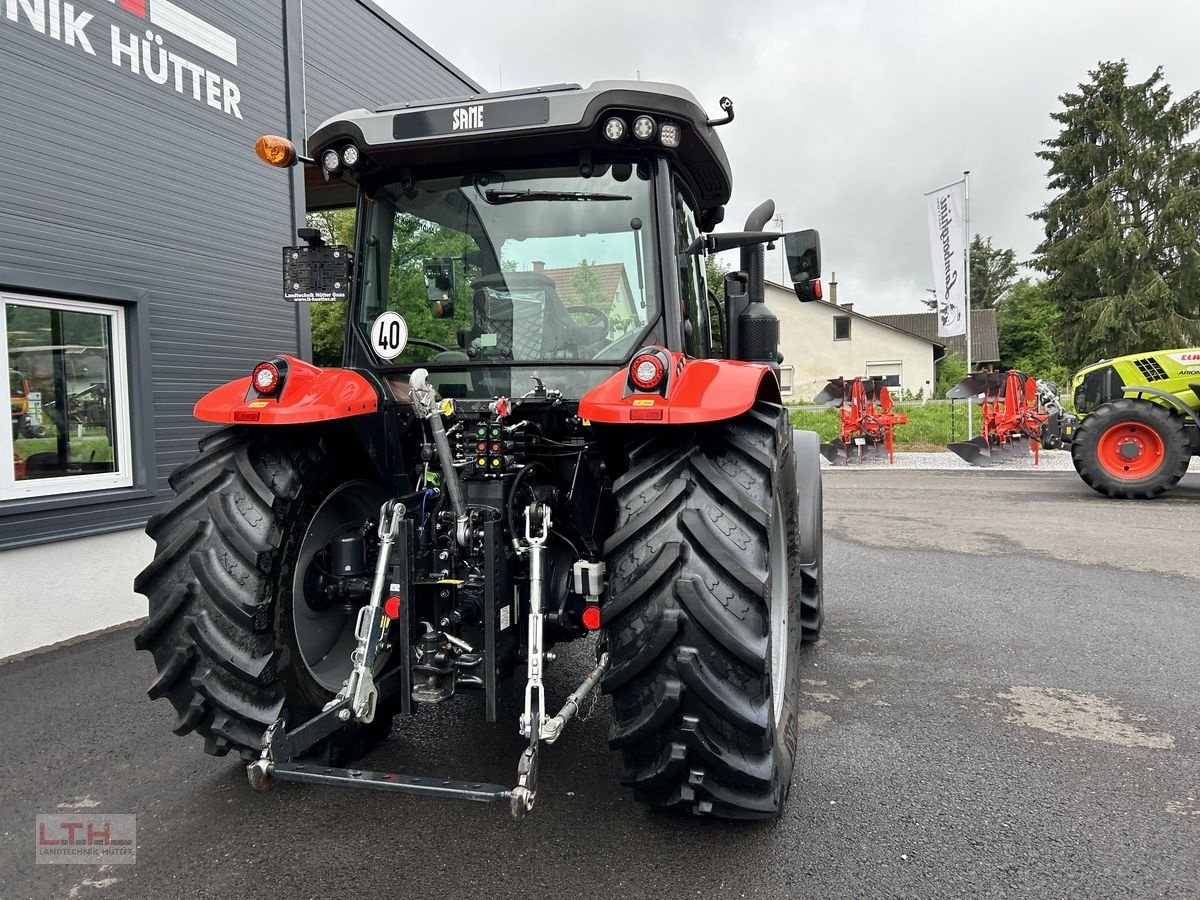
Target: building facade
x,y
140,265
820,340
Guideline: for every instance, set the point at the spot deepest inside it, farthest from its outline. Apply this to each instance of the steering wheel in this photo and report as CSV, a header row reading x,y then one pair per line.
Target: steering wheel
x,y
424,343
592,323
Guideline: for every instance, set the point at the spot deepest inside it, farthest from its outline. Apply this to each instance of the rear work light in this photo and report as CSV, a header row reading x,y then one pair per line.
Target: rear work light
x,y
647,371
643,128
265,378
614,129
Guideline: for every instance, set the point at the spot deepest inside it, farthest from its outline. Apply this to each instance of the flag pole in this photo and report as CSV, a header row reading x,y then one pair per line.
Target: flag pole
x,y
967,280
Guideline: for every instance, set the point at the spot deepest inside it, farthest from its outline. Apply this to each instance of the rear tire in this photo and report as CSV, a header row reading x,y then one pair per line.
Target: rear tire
x,y
704,583
1157,446
220,589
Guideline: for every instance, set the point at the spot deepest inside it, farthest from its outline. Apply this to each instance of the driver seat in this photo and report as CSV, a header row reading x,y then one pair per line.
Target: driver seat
x,y
525,312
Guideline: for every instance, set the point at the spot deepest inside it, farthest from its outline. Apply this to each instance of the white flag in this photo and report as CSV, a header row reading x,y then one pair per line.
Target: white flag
x,y
948,248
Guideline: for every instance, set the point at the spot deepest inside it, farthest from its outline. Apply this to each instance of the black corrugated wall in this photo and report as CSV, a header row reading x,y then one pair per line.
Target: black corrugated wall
x,y
119,188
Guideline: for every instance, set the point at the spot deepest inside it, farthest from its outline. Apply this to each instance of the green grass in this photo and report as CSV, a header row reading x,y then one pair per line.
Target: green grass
x,y
929,424
81,449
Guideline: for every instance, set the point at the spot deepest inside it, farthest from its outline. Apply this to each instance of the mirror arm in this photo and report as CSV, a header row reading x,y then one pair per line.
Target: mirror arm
x,y
732,240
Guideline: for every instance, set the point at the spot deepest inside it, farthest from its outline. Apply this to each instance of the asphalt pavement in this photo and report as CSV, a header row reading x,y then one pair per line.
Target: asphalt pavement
x,y
1004,705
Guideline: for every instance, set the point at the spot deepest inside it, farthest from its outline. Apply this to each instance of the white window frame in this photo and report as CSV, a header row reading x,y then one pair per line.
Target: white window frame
x,y
897,364
787,386
849,327
10,487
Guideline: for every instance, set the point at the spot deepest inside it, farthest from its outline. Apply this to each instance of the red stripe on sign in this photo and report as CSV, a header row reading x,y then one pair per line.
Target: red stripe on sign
x,y
137,7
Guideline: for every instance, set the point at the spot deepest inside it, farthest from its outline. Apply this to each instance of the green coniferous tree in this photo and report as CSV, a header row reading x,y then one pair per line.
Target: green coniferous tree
x,y
1122,233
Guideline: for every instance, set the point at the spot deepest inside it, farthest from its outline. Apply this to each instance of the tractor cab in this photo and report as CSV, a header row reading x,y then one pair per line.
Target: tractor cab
x,y
531,236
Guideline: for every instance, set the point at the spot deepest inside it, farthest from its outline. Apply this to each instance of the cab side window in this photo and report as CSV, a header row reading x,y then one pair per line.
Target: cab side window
x,y
692,288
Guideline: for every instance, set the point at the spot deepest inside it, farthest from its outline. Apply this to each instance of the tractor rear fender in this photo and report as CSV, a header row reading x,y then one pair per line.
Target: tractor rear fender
x,y
305,394
693,391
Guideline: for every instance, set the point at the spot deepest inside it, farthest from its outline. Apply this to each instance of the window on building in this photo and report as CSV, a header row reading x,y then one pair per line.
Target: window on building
x,y
786,376
891,371
69,397
841,328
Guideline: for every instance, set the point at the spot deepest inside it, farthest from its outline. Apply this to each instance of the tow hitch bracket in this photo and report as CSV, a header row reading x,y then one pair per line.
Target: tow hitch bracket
x,y
282,750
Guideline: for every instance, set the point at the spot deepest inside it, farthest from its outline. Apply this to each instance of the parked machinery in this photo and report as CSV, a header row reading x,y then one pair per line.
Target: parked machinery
x,y
1016,412
507,461
868,421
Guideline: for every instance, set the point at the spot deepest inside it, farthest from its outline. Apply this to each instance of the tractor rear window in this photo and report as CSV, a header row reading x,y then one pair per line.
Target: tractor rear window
x,y
520,266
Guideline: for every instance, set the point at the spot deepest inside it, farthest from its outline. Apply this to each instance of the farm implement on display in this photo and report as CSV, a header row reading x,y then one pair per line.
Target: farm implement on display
x,y
868,422
1016,411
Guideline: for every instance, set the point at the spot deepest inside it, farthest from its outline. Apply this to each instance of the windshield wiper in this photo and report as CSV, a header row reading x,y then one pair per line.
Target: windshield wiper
x,y
521,196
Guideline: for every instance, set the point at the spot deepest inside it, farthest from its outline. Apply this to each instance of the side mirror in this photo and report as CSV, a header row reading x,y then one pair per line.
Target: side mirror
x,y
803,250
439,278
808,291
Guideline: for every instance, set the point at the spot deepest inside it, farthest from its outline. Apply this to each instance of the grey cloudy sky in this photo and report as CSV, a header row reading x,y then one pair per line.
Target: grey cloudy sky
x,y
847,112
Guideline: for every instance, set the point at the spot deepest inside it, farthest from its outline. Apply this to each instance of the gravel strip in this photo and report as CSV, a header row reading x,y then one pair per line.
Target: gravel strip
x,y
1051,461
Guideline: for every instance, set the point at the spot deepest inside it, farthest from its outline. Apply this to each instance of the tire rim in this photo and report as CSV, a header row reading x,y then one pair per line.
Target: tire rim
x,y
325,637
1130,450
779,608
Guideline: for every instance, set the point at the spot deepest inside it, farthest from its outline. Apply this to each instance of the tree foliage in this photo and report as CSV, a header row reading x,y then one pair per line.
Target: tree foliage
x,y
1122,233
714,273
950,371
993,271
1027,320
327,321
588,290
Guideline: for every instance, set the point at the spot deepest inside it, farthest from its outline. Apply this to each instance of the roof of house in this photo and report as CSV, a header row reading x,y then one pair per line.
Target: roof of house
x,y
610,276
985,344
874,320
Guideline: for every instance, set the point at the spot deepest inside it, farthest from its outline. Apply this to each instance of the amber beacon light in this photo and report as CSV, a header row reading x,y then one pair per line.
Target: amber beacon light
x,y
275,151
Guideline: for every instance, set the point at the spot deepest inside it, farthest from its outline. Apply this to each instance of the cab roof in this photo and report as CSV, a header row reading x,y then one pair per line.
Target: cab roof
x,y
531,123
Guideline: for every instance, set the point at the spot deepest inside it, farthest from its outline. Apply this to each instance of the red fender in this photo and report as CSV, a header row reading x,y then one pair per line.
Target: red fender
x,y
308,394
695,391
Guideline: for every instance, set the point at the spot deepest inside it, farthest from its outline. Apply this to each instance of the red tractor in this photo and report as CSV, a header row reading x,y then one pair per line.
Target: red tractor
x,y
545,428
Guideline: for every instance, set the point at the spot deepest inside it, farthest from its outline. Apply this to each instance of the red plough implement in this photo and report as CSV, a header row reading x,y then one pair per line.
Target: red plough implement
x,y
1013,410
867,418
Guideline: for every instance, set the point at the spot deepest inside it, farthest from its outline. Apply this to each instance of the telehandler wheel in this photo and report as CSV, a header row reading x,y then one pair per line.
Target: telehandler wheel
x,y
1131,449
235,641
704,616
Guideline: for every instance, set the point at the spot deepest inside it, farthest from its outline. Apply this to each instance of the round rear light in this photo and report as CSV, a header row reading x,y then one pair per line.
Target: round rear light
x,y
331,161
614,129
265,378
646,371
350,156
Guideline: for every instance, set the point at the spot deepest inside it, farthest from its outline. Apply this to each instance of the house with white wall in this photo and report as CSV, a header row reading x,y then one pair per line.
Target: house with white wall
x,y
820,340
